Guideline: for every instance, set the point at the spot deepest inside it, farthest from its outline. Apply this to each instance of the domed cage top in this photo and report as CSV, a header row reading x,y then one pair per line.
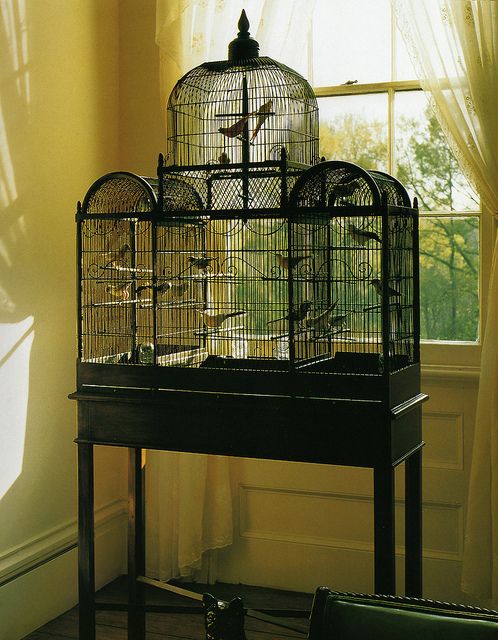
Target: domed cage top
x,y
242,110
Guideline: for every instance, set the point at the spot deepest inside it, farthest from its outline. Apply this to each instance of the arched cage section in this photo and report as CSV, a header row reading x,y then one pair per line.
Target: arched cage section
x,y
335,184
245,111
121,192
180,195
344,184
392,189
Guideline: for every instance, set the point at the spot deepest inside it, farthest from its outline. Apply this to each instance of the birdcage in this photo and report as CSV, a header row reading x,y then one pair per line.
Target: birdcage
x,y
252,299
248,261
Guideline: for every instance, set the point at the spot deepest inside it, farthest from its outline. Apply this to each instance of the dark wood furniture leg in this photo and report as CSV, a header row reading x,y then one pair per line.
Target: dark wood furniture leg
x,y
413,524
384,531
86,544
136,545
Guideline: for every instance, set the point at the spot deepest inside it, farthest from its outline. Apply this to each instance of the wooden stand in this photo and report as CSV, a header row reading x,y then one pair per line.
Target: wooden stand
x,y
346,432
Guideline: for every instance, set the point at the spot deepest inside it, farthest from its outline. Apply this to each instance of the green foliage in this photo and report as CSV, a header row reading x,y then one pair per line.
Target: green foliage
x,y
355,140
449,245
449,276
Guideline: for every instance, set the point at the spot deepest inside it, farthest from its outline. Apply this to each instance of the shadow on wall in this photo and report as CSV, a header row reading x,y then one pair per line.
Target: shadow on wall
x,y
59,126
16,275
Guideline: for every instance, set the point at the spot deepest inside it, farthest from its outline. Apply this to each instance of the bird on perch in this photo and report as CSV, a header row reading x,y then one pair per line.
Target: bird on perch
x,y
324,320
235,130
178,289
263,113
377,284
117,258
290,261
223,158
362,236
201,263
214,320
119,291
163,287
298,315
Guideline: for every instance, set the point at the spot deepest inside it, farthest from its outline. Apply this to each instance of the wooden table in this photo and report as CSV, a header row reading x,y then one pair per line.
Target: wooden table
x,y
352,432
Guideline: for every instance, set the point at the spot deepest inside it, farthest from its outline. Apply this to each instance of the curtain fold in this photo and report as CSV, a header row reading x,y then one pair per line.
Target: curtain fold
x,y
454,48
189,502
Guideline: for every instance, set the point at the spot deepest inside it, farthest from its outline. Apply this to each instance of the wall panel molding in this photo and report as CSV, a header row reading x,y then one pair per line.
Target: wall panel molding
x,y
443,433
53,542
468,373
341,521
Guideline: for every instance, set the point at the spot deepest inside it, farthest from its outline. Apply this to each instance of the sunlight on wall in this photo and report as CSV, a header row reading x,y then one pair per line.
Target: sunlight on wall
x,y
13,75
15,348
8,192
16,30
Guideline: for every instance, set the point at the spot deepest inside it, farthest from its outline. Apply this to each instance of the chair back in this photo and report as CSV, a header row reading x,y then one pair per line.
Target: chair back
x,y
348,616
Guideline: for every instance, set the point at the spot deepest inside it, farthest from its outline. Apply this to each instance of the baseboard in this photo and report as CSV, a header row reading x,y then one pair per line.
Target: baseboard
x,y
38,578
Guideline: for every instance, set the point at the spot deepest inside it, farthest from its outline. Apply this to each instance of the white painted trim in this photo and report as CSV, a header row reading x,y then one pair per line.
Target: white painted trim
x,y
445,372
53,542
361,89
40,576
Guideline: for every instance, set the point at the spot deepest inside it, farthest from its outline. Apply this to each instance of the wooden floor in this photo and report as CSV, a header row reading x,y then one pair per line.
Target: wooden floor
x,y
111,625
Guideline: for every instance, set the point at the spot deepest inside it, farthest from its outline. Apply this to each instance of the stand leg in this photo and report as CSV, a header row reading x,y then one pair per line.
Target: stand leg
x,y
136,546
384,532
86,544
413,524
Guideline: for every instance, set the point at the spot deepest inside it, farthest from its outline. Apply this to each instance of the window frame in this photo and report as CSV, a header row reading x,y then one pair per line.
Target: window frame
x,y
455,354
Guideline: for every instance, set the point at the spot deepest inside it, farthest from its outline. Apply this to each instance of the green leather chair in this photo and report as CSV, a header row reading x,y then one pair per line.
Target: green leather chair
x,y
349,616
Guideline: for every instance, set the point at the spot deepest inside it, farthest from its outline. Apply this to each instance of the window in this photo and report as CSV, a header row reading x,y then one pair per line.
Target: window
x,y
374,113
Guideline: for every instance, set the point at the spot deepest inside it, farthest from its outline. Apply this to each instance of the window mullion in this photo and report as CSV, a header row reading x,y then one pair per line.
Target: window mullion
x,y
391,160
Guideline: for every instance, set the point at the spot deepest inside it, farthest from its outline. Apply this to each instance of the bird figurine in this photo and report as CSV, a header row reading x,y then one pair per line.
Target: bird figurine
x,y
119,291
323,320
163,287
263,113
214,320
235,130
298,315
335,322
362,236
201,263
143,287
223,158
178,290
158,288
289,261
117,258
377,284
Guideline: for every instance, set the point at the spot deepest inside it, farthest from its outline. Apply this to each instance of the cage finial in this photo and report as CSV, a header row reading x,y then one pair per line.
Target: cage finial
x,y
243,24
243,46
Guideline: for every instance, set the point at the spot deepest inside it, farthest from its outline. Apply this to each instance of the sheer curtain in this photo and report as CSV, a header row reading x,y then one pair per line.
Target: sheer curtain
x,y
189,502
454,46
190,32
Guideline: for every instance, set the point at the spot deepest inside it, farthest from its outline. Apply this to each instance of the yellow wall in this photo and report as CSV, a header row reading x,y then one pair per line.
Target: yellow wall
x,y
142,135
63,123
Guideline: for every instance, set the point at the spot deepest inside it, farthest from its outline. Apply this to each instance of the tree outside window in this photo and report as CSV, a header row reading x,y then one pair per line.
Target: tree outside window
x,y
384,122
